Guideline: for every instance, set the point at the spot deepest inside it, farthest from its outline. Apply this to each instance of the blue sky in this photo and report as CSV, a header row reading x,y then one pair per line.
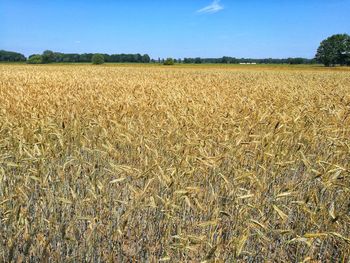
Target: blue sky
x,y
173,28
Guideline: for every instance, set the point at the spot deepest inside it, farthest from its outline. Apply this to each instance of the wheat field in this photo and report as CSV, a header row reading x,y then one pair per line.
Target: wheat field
x,y
174,164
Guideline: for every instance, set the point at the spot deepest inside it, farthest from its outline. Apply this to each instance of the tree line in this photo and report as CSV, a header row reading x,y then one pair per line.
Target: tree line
x,y
332,51
335,50
11,56
49,56
233,60
58,57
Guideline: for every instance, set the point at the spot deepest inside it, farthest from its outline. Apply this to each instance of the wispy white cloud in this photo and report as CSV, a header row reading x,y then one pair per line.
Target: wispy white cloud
x,y
77,41
214,7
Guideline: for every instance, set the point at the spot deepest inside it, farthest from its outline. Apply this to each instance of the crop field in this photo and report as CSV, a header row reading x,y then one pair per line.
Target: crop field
x,y
174,164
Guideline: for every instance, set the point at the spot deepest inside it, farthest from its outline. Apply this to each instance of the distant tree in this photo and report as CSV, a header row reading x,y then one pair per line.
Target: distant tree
x,y
168,62
97,59
146,59
334,50
11,56
107,58
58,57
295,61
138,58
129,58
198,60
225,60
115,58
35,59
48,56
85,57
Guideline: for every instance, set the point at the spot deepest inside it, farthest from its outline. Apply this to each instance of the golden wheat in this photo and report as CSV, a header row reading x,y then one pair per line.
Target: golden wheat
x,y
174,164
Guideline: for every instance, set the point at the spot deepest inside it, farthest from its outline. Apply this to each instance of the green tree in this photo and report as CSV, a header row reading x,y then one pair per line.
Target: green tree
x,y
146,58
295,61
48,56
11,56
97,59
334,50
168,62
35,59
197,60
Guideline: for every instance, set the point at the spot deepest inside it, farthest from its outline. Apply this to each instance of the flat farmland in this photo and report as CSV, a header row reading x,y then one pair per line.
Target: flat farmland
x,y
187,163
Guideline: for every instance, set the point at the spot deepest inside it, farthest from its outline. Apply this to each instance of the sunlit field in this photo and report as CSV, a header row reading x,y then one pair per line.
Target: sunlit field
x,y
174,164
